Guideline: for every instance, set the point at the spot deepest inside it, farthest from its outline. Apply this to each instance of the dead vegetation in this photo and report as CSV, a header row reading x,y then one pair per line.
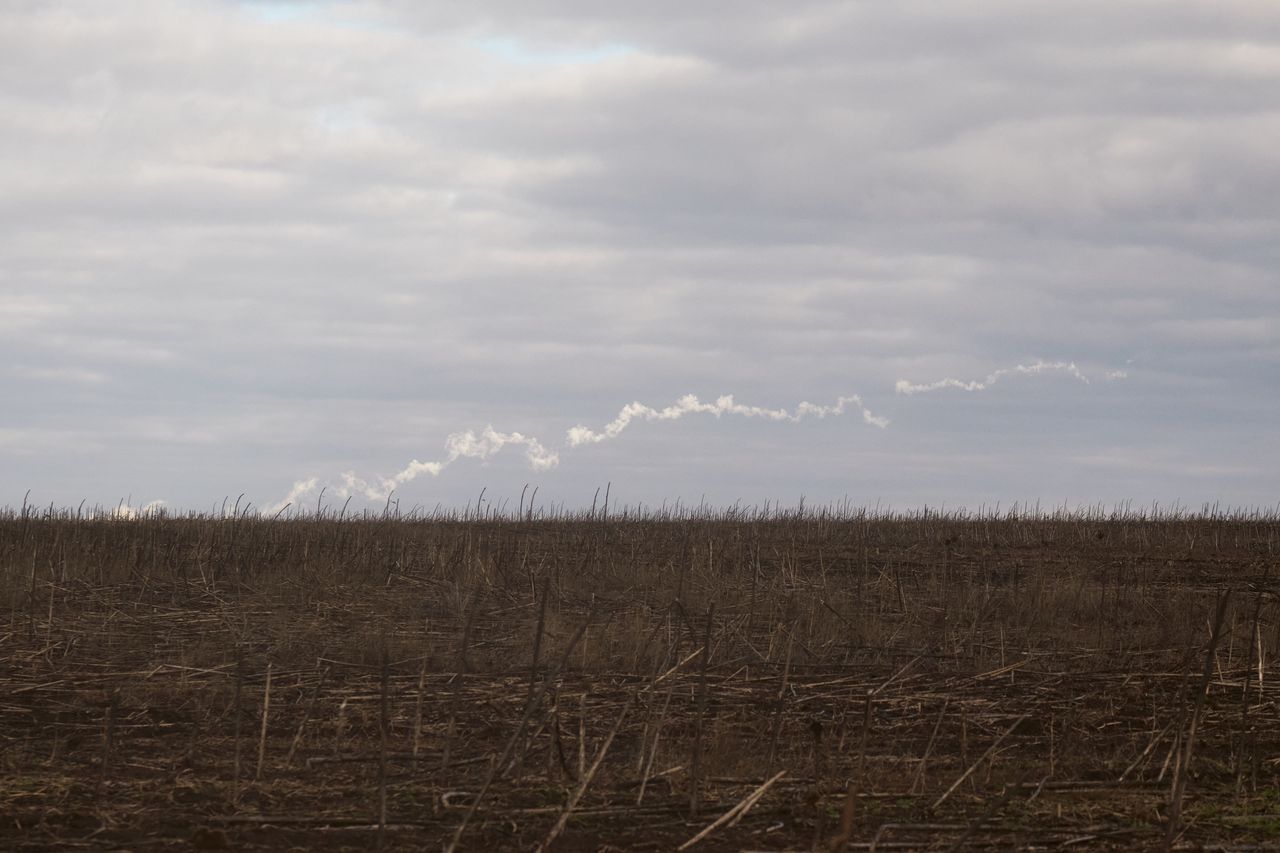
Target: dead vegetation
x,y
741,681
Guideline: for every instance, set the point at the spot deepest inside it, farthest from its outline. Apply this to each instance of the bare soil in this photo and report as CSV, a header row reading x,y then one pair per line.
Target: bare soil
x,y
925,683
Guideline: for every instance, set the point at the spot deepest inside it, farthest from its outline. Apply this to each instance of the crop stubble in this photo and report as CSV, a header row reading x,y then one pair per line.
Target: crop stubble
x,y
836,680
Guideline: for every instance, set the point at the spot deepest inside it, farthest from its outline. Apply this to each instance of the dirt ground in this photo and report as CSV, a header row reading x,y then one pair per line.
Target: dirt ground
x,y
789,683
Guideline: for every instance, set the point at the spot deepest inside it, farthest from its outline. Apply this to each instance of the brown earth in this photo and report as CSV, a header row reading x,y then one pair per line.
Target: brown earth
x,y
929,682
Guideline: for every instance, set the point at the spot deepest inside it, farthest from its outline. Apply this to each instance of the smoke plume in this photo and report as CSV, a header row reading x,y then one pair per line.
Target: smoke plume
x,y
486,443
908,388
472,445
459,445
689,404
300,488
124,511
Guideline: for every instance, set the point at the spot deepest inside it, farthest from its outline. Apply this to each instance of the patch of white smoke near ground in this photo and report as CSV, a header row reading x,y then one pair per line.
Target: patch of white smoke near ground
x,y
124,511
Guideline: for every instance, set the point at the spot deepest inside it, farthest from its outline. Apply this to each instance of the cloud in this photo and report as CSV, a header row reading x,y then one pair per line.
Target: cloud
x,y
299,239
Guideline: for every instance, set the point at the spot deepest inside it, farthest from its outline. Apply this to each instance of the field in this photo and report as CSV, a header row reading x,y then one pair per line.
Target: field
x,y
785,680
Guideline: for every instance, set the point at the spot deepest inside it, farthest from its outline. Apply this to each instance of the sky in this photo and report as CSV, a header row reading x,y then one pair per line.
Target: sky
x,y
901,254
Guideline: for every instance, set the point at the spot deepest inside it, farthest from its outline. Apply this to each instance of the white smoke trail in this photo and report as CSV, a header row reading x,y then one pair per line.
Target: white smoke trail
x,y
486,443
907,388
300,488
689,404
459,445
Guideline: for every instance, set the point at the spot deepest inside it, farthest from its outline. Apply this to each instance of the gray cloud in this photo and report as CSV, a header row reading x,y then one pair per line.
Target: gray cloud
x,y
244,245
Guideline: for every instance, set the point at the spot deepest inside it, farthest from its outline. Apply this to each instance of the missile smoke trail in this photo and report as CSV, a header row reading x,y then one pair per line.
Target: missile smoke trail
x,y
689,404
300,488
487,442
459,445
907,388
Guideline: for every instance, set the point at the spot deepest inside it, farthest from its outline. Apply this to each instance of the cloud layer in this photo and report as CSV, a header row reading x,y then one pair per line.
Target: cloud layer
x,y
242,242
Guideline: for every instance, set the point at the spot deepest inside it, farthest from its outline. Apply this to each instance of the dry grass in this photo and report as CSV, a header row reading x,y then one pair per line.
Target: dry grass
x,y
1049,668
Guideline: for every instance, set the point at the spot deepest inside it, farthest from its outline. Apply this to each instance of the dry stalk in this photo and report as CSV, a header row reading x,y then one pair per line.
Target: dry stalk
x,y
1180,777
266,715
847,814
928,750
417,710
966,774
585,782
339,726
306,717
848,811
866,733
695,766
582,733
994,806
1180,727
451,728
673,670
735,814
1146,752
780,703
518,755
653,748
109,733
235,712
648,696
530,704
31,601
384,724
1241,749
1175,748
555,755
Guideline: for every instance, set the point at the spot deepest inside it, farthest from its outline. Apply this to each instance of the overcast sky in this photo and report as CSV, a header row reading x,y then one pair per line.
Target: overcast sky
x,y
245,246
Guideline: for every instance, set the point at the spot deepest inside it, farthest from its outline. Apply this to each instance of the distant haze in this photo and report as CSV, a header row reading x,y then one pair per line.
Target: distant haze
x,y
905,253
